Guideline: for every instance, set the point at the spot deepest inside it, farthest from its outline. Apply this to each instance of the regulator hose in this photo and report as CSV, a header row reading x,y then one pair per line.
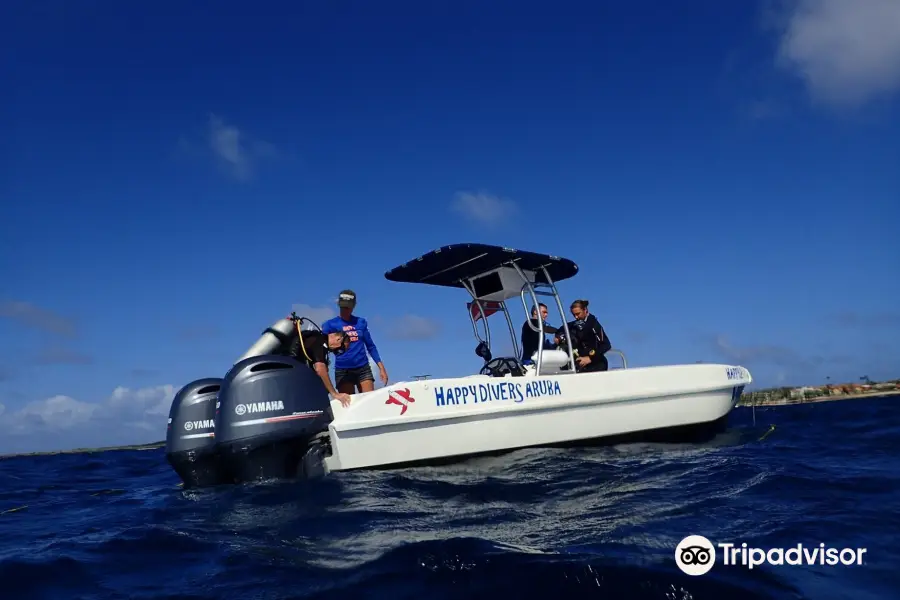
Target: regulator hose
x,y
298,321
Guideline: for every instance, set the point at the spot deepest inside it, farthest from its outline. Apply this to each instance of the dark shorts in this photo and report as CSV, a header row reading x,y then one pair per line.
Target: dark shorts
x,y
354,376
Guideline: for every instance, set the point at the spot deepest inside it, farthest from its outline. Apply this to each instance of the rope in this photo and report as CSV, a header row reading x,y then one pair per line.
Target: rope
x,y
766,434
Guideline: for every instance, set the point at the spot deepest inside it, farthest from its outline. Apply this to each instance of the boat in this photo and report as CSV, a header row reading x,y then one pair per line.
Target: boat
x,y
270,416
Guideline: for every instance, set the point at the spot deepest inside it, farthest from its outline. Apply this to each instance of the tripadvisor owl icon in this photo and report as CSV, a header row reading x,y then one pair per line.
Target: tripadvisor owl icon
x,y
695,555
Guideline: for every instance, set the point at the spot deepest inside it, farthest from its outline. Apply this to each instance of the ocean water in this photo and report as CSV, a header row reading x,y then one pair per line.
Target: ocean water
x,y
584,523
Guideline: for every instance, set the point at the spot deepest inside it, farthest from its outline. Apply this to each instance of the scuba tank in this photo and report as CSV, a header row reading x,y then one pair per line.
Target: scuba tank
x,y
277,336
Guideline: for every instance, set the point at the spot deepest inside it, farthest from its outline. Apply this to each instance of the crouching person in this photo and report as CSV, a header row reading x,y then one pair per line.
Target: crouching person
x,y
312,348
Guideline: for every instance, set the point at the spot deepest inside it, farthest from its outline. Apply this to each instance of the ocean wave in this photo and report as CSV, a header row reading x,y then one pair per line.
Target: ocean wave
x,y
598,522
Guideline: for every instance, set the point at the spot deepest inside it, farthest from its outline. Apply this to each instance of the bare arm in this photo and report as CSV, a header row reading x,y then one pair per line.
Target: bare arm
x,y
322,370
373,352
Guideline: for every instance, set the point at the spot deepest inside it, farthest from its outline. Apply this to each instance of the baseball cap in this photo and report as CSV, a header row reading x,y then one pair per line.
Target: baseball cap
x,y
346,299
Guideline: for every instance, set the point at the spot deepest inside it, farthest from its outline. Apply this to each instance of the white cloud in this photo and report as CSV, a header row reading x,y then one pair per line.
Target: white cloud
x,y
483,208
53,414
846,52
128,416
413,327
319,314
234,149
149,401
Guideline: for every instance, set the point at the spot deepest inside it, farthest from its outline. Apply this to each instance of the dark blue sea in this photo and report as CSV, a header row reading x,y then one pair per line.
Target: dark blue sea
x,y
587,523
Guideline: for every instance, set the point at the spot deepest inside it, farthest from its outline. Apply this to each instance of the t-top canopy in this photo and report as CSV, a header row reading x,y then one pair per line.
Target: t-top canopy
x,y
448,266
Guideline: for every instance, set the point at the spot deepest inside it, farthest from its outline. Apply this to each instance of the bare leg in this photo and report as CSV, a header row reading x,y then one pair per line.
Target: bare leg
x,y
346,387
366,386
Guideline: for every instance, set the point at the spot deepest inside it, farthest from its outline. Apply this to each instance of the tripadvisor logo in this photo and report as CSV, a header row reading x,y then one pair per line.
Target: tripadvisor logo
x,y
696,555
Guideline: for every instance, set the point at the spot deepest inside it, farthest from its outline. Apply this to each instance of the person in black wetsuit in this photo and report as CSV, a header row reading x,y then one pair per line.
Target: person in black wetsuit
x,y
589,339
314,352
531,338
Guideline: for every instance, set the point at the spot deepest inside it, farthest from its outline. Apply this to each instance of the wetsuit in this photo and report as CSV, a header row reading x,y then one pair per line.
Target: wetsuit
x,y
316,346
590,339
531,338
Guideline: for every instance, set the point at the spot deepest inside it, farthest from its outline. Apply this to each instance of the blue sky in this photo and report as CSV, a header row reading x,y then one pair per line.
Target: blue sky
x,y
177,178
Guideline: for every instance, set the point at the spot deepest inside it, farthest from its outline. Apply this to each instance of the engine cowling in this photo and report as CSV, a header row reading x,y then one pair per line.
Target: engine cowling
x,y
190,434
271,409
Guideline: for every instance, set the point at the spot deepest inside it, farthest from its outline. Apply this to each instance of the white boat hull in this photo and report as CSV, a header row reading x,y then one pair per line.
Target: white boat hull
x,y
269,416
420,421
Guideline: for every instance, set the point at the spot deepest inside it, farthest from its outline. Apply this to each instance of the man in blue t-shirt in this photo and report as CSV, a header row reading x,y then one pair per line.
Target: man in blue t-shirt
x,y
351,369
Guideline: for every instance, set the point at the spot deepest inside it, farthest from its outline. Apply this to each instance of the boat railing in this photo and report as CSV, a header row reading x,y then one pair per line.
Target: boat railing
x,y
512,329
620,353
501,307
484,322
532,287
536,289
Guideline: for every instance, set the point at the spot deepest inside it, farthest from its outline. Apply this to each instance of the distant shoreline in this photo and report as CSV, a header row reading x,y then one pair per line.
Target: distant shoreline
x,y
781,402
791,401
150,446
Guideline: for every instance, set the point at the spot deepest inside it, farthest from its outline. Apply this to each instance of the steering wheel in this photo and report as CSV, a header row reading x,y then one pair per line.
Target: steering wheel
x,y
499,367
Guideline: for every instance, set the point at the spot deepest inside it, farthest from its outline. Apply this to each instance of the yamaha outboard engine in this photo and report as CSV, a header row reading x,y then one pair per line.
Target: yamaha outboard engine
x,y
190,434
271,415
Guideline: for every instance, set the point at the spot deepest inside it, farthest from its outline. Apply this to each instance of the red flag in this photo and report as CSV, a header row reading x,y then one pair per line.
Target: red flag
x,y
489,309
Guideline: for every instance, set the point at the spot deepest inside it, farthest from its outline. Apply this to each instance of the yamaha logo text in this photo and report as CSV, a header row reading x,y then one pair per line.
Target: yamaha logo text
x,y
258,407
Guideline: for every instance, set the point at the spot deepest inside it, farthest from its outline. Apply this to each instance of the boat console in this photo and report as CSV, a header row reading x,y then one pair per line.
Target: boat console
x,y
503,366
553,362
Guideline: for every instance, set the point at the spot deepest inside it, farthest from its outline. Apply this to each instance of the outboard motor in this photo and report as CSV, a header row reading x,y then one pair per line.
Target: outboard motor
x,y
190,434
271,418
